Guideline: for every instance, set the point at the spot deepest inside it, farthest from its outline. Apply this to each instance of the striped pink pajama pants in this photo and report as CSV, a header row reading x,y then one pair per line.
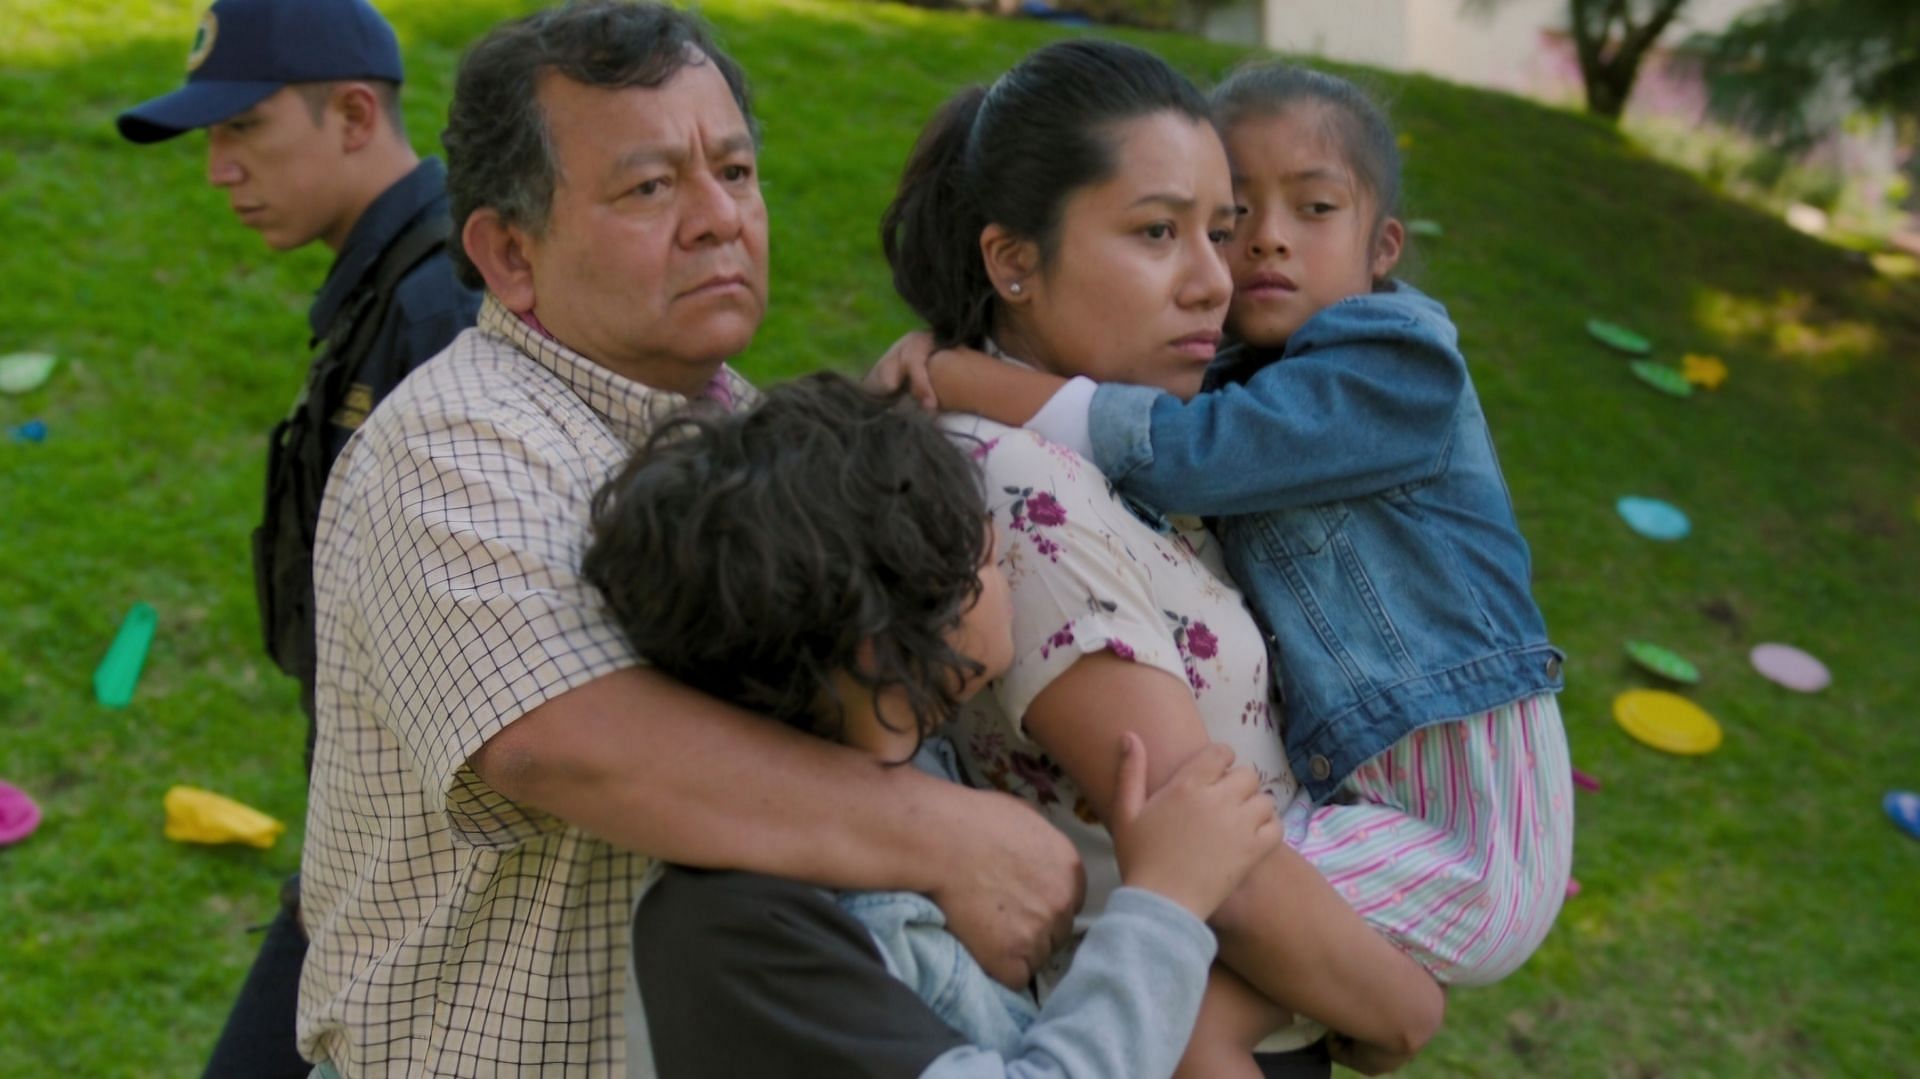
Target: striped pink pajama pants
x,y
1460,843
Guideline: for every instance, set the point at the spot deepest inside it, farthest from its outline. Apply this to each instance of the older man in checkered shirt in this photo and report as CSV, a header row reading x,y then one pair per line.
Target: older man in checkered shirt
x,y
495,767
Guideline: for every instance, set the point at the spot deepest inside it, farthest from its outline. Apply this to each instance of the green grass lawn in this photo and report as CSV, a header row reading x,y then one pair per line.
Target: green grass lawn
x,y
1749,912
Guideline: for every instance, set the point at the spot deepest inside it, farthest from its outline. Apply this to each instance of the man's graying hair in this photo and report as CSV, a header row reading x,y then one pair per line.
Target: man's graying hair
x,y
499,149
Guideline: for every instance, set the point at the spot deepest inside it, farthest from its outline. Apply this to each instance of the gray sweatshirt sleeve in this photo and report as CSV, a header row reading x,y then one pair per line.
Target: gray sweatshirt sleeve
x,y
1125,1008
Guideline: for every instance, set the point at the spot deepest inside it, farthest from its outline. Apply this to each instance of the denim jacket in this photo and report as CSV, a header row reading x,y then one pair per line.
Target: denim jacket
x,y
912,936
1124,1008
1363,512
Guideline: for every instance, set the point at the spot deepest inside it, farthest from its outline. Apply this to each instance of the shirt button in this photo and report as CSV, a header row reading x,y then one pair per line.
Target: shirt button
x,y
1319,767
1553,666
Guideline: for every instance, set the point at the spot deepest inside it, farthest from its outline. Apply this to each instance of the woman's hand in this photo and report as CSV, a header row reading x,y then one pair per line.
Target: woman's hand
x,y
906,365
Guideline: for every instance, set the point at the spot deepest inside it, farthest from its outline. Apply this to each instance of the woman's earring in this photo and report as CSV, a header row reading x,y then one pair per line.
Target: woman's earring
x,y
1014,288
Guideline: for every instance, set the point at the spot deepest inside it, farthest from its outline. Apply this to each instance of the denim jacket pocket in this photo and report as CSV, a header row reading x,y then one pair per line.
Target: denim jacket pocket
x,y
1298,533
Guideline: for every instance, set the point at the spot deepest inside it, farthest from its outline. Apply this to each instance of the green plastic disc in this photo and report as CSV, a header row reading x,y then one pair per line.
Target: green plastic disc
x,y
1422,226
1667,380
1664,662
1615,336
23,372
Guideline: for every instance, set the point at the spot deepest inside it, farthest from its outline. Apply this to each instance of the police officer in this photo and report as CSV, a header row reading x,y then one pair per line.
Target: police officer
x,y
300,102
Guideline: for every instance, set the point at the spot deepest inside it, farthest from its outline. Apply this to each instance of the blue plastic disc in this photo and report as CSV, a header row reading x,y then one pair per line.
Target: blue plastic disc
x,y
1904,809
1653,518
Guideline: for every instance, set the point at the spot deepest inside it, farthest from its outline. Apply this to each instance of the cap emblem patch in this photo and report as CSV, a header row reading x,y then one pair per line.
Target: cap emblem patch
x,y
203,40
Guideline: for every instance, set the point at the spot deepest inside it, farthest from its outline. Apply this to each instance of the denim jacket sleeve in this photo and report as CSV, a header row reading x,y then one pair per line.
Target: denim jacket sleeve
x,y
912,937
1125,1008
1362,401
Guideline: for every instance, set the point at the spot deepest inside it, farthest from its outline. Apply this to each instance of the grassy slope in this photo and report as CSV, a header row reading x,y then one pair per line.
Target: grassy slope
x,y
1744,913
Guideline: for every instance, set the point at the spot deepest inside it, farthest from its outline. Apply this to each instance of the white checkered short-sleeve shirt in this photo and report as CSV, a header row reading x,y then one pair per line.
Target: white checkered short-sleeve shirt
x,y
453,931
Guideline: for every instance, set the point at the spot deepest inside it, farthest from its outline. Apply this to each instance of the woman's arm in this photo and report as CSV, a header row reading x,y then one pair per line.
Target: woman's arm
x,y
1286,931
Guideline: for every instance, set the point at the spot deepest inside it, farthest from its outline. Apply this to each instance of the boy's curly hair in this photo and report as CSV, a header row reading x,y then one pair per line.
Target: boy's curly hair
x,y
750,555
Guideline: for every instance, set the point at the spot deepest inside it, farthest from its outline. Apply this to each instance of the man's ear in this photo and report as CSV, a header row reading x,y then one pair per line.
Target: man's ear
x,y
361,116
1387,247
1012,263
500,251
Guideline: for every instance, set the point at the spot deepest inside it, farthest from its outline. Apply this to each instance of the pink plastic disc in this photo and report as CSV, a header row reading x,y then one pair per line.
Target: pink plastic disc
x,y
1790,667
19,816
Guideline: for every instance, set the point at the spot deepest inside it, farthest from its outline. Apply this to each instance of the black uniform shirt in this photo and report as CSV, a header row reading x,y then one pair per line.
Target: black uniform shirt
x,y
429,307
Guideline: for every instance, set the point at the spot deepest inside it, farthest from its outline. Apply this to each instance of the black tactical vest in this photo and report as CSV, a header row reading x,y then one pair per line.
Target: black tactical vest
x,y
298,456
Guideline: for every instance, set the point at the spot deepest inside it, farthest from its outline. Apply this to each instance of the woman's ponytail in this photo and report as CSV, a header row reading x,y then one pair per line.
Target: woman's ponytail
x,y
931,230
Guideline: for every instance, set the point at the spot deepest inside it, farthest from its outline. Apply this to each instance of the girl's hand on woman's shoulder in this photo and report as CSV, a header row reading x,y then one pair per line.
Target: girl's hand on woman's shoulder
x,y
905,365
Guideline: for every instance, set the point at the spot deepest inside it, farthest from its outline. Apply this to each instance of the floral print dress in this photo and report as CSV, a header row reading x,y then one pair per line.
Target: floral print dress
x,y
1088,574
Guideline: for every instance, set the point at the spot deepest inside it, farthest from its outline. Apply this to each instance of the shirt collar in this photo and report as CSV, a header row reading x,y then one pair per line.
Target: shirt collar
x,y
631,408
411,196
992,348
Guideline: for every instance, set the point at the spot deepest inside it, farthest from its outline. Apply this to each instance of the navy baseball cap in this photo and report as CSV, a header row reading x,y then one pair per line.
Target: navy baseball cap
x,y
247,49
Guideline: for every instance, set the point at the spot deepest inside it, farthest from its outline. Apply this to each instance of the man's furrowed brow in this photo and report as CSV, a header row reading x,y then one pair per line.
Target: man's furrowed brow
x,y
644,157
735,144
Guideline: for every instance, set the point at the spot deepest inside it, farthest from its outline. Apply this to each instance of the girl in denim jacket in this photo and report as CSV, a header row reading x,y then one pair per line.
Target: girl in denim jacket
x,y
1341,450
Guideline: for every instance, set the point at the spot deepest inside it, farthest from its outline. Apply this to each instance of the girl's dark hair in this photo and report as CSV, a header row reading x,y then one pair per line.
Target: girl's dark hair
x,y
750,555
1011,155
1355,123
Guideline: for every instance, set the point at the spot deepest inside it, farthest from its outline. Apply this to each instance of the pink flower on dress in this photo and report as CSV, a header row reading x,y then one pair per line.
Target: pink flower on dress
x,y
980,450
1020,774
1039,774
1061,638
1201,642
1033,510
1121,649
1044,509
1195,642
1257,714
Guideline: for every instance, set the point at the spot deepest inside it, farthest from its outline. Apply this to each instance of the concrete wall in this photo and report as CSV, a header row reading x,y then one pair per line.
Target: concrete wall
x,y
1514,45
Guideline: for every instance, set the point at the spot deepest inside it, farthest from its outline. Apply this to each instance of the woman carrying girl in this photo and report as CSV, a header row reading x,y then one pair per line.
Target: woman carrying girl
x,y
1345,459
1070,220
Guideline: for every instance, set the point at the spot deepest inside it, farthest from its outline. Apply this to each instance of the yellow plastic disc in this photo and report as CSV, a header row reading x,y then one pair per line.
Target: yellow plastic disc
x,y
1666,721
